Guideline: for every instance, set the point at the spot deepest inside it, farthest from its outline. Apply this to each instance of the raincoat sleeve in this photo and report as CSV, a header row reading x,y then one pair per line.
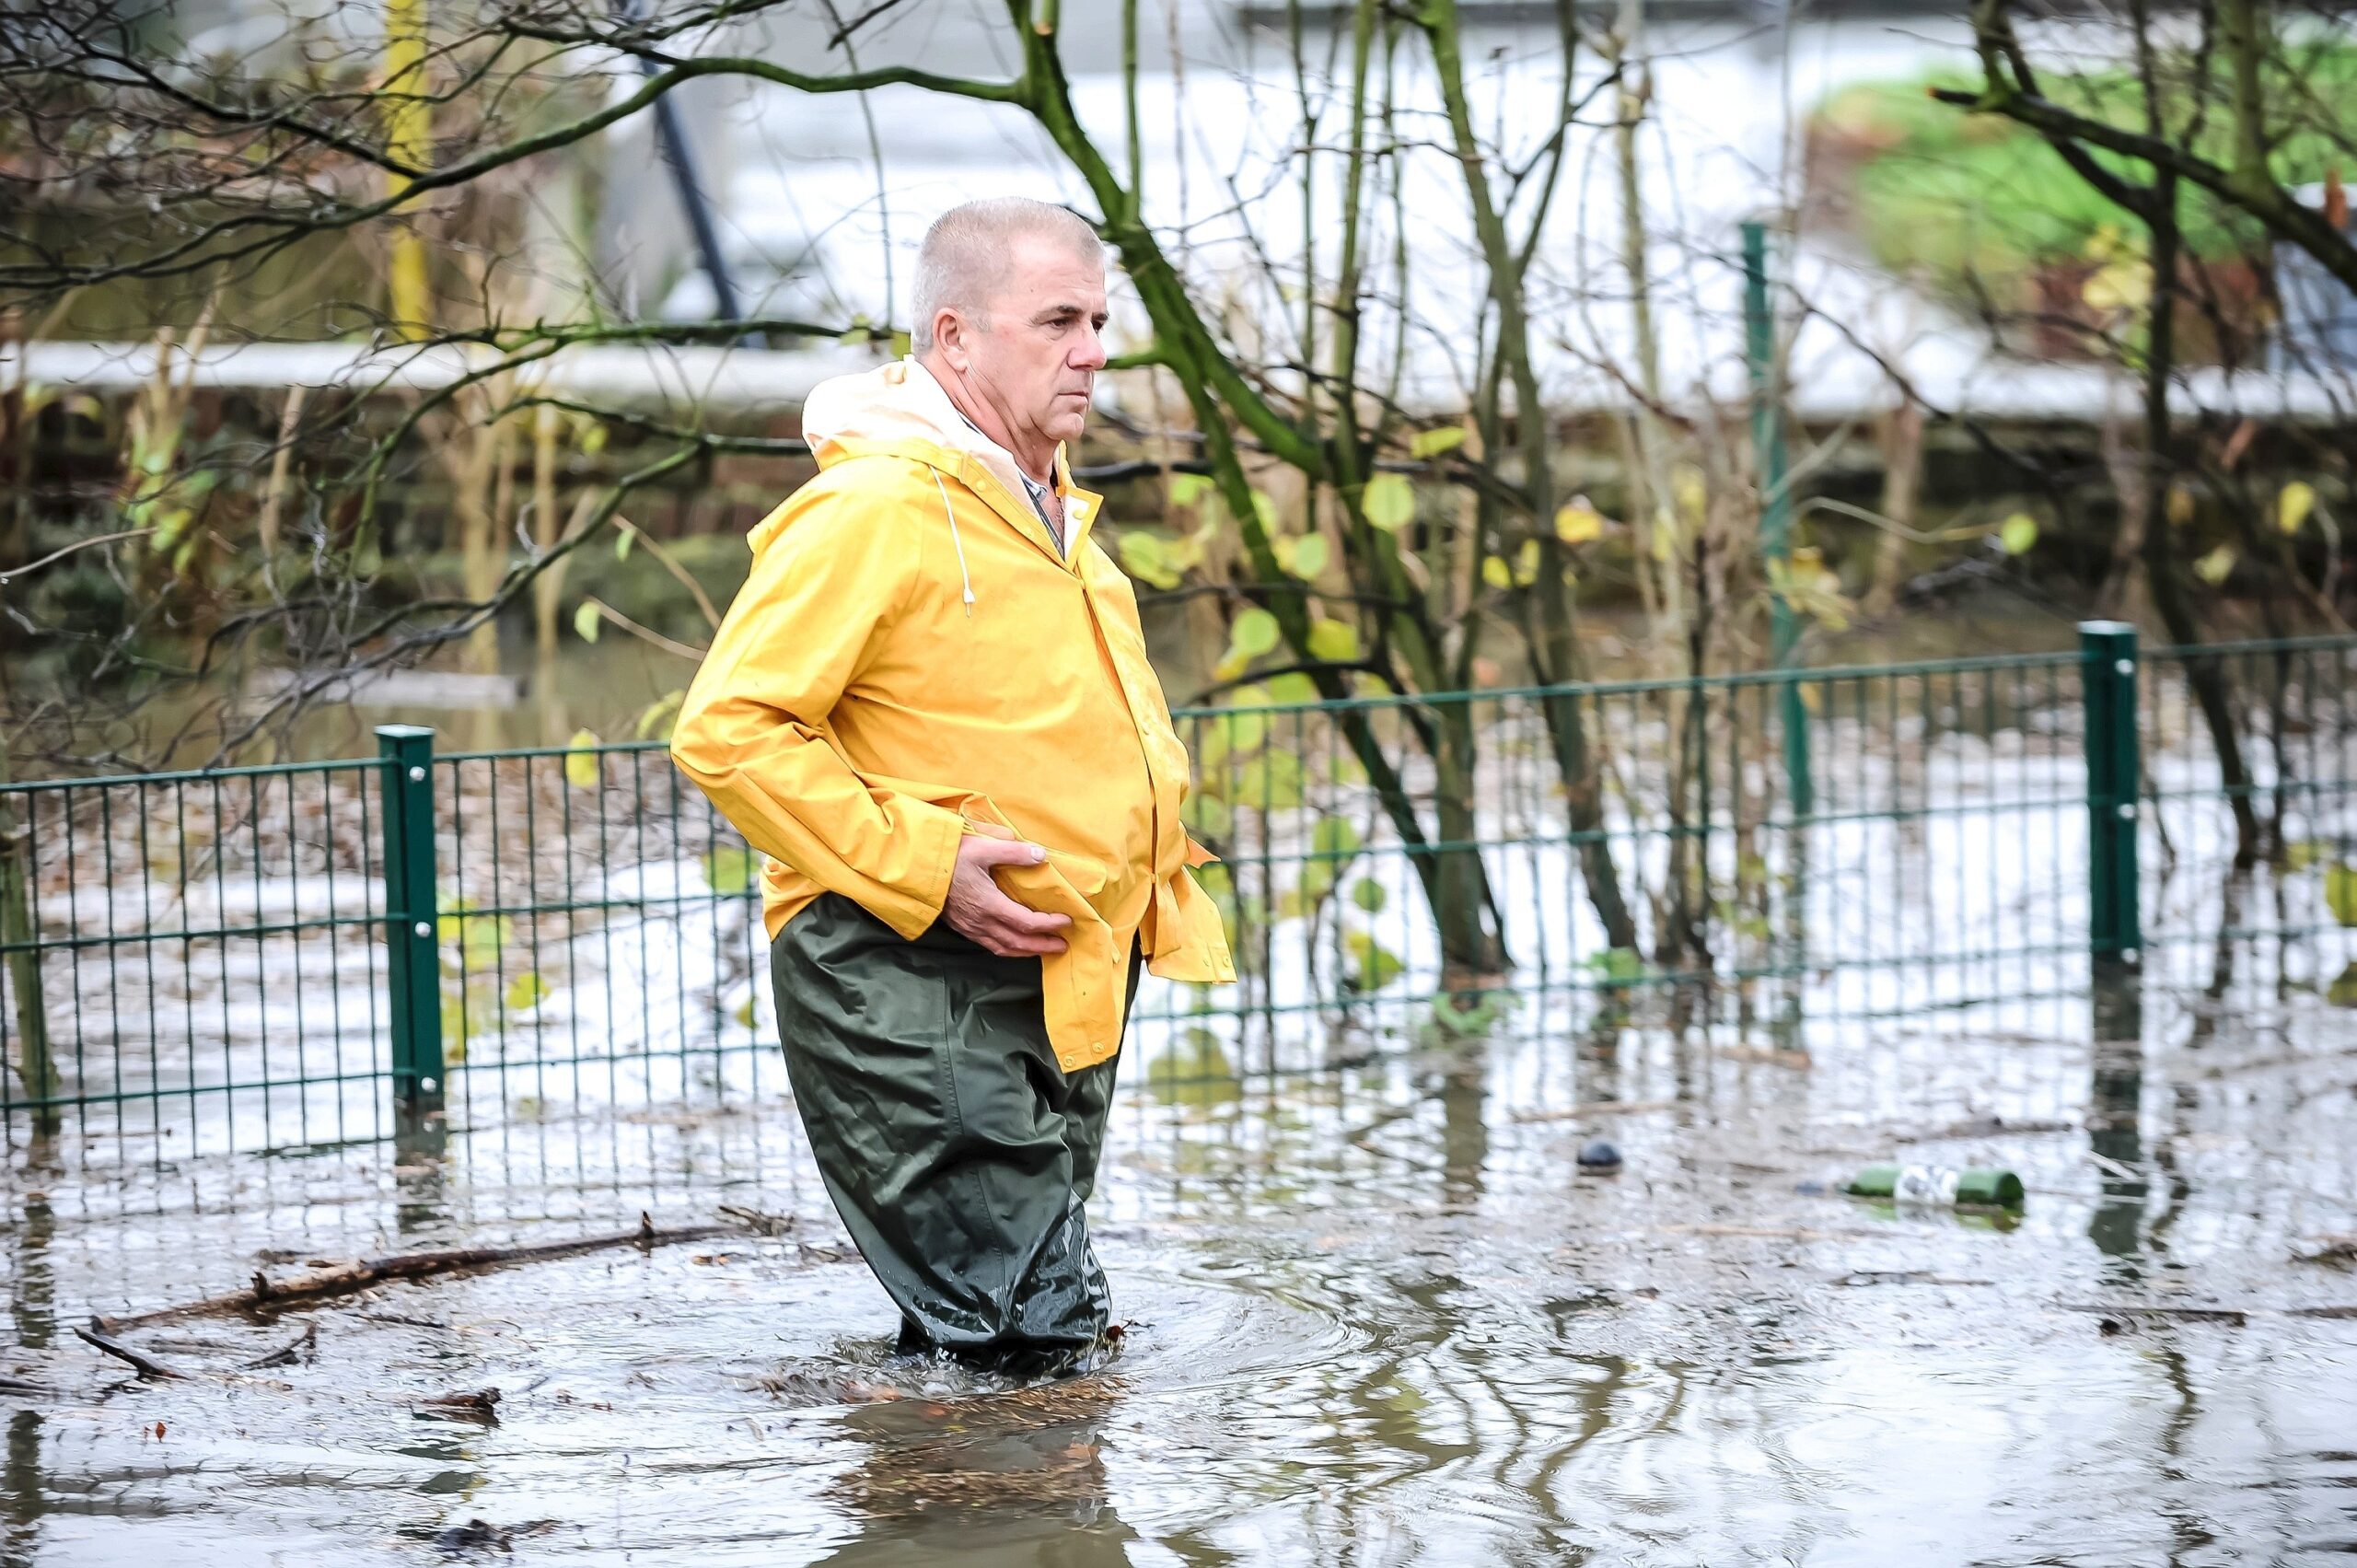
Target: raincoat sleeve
x,y
828,575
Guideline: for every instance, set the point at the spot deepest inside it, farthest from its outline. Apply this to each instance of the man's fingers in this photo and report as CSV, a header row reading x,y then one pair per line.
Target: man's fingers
x,y
1000,851
1037,922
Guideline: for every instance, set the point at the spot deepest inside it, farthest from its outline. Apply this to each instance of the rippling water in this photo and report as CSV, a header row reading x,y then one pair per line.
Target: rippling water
x,y
1375,1316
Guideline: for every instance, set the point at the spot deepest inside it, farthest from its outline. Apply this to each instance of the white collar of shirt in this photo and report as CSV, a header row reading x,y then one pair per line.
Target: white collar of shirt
x,y
1032,488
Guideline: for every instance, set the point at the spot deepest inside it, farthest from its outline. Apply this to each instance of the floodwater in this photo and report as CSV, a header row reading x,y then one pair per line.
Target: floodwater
x,y
1373,1315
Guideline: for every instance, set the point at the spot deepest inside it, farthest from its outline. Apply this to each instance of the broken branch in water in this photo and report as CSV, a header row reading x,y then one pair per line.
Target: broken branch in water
x,y
285,1354
265,1295
145,1365
755,1220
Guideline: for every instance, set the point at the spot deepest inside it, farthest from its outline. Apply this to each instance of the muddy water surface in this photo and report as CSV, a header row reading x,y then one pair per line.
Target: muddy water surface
x,y
1373,1315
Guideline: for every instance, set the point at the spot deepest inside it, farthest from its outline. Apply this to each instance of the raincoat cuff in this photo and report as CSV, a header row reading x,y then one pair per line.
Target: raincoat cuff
x,y
937,832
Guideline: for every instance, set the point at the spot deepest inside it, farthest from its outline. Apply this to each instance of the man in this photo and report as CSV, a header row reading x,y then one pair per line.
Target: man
x,y
930,709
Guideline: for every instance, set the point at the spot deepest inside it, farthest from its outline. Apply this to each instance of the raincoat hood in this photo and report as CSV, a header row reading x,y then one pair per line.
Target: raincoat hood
x,y
913,659
902,403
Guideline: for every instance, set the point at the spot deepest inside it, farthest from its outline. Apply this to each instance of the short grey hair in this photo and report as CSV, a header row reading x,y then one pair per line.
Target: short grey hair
x,y
964,253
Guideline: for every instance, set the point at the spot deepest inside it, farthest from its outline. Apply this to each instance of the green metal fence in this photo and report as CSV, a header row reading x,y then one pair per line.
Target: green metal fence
x,y
284,957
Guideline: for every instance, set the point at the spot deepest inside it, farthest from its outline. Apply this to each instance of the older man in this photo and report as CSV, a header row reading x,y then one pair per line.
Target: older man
x,y
930,709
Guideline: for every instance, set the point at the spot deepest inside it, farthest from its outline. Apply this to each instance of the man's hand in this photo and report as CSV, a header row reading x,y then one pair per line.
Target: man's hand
x,y
977,909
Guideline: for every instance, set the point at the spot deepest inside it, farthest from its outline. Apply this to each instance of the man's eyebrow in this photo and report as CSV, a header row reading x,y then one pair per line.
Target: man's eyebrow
x,y
1069,307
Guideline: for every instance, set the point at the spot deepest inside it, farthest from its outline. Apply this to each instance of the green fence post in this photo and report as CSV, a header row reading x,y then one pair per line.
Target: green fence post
x,y
36,1068
2115,774
412,949
1775,511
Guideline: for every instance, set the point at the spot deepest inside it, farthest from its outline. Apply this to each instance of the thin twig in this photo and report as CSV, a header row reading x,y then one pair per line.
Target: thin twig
x,y
145,1365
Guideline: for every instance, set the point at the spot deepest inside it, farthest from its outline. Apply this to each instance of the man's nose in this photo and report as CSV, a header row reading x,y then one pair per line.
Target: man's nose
x,y
1089,354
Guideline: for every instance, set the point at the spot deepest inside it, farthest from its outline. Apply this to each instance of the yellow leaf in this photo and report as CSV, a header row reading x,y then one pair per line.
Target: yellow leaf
x,y
2119,285
1496,573
1307,558
2340,892
580,769
2292,508
1692,494
1336,642
1390,502
2017,533
2180,505
586,620
1579,523
2217,566
1526,563
1432,443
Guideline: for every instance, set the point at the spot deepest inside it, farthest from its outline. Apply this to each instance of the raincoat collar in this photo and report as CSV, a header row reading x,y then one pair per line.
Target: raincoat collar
x,y
899,410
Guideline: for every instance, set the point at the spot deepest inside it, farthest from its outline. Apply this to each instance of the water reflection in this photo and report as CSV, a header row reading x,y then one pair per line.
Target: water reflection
x,y
1380,1316
1006,1480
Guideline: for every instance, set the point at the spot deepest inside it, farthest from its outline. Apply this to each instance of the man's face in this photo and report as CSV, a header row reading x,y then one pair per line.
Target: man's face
x,y
1037,359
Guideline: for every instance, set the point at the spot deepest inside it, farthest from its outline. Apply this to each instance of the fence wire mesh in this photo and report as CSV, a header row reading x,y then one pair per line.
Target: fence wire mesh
x,y
196,962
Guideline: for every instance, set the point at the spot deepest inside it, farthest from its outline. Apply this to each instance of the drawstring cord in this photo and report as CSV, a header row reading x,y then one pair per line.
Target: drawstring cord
x,y
951,512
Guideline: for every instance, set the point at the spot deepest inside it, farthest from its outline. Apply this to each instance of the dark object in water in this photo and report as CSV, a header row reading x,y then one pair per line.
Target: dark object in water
x,y
1989,1188
474,1404
475,1535
1598,1158
481,1534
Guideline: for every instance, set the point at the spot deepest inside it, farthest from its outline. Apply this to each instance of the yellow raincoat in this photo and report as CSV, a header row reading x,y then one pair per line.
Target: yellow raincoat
x,y
912,660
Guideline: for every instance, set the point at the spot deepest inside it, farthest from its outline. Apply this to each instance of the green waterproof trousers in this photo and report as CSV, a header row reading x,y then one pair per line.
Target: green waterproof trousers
x,y
958,1153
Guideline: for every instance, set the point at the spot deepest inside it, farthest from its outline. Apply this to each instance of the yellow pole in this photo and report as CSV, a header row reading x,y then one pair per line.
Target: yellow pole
x,y
409,129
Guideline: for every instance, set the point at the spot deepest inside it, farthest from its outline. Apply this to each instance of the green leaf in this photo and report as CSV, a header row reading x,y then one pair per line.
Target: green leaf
x,y
1254,634
1244,731
1377,965
624,539
900,347
586,620
1432,443
729,869
1369,895
1389,502
1264,507
1336,642
1148,559
526,992
581,767
2342,992
1270,781
1207,816
1335,837
1186,489
1619,966
2302,853
657,717
2018,534
2340,891
1293,686
1305,557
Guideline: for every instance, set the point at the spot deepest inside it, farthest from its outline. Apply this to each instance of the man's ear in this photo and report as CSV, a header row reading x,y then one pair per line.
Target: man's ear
x,y
950,333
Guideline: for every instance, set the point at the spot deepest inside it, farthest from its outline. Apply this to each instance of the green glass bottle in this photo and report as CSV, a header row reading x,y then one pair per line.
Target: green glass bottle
x,y
1975,1186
